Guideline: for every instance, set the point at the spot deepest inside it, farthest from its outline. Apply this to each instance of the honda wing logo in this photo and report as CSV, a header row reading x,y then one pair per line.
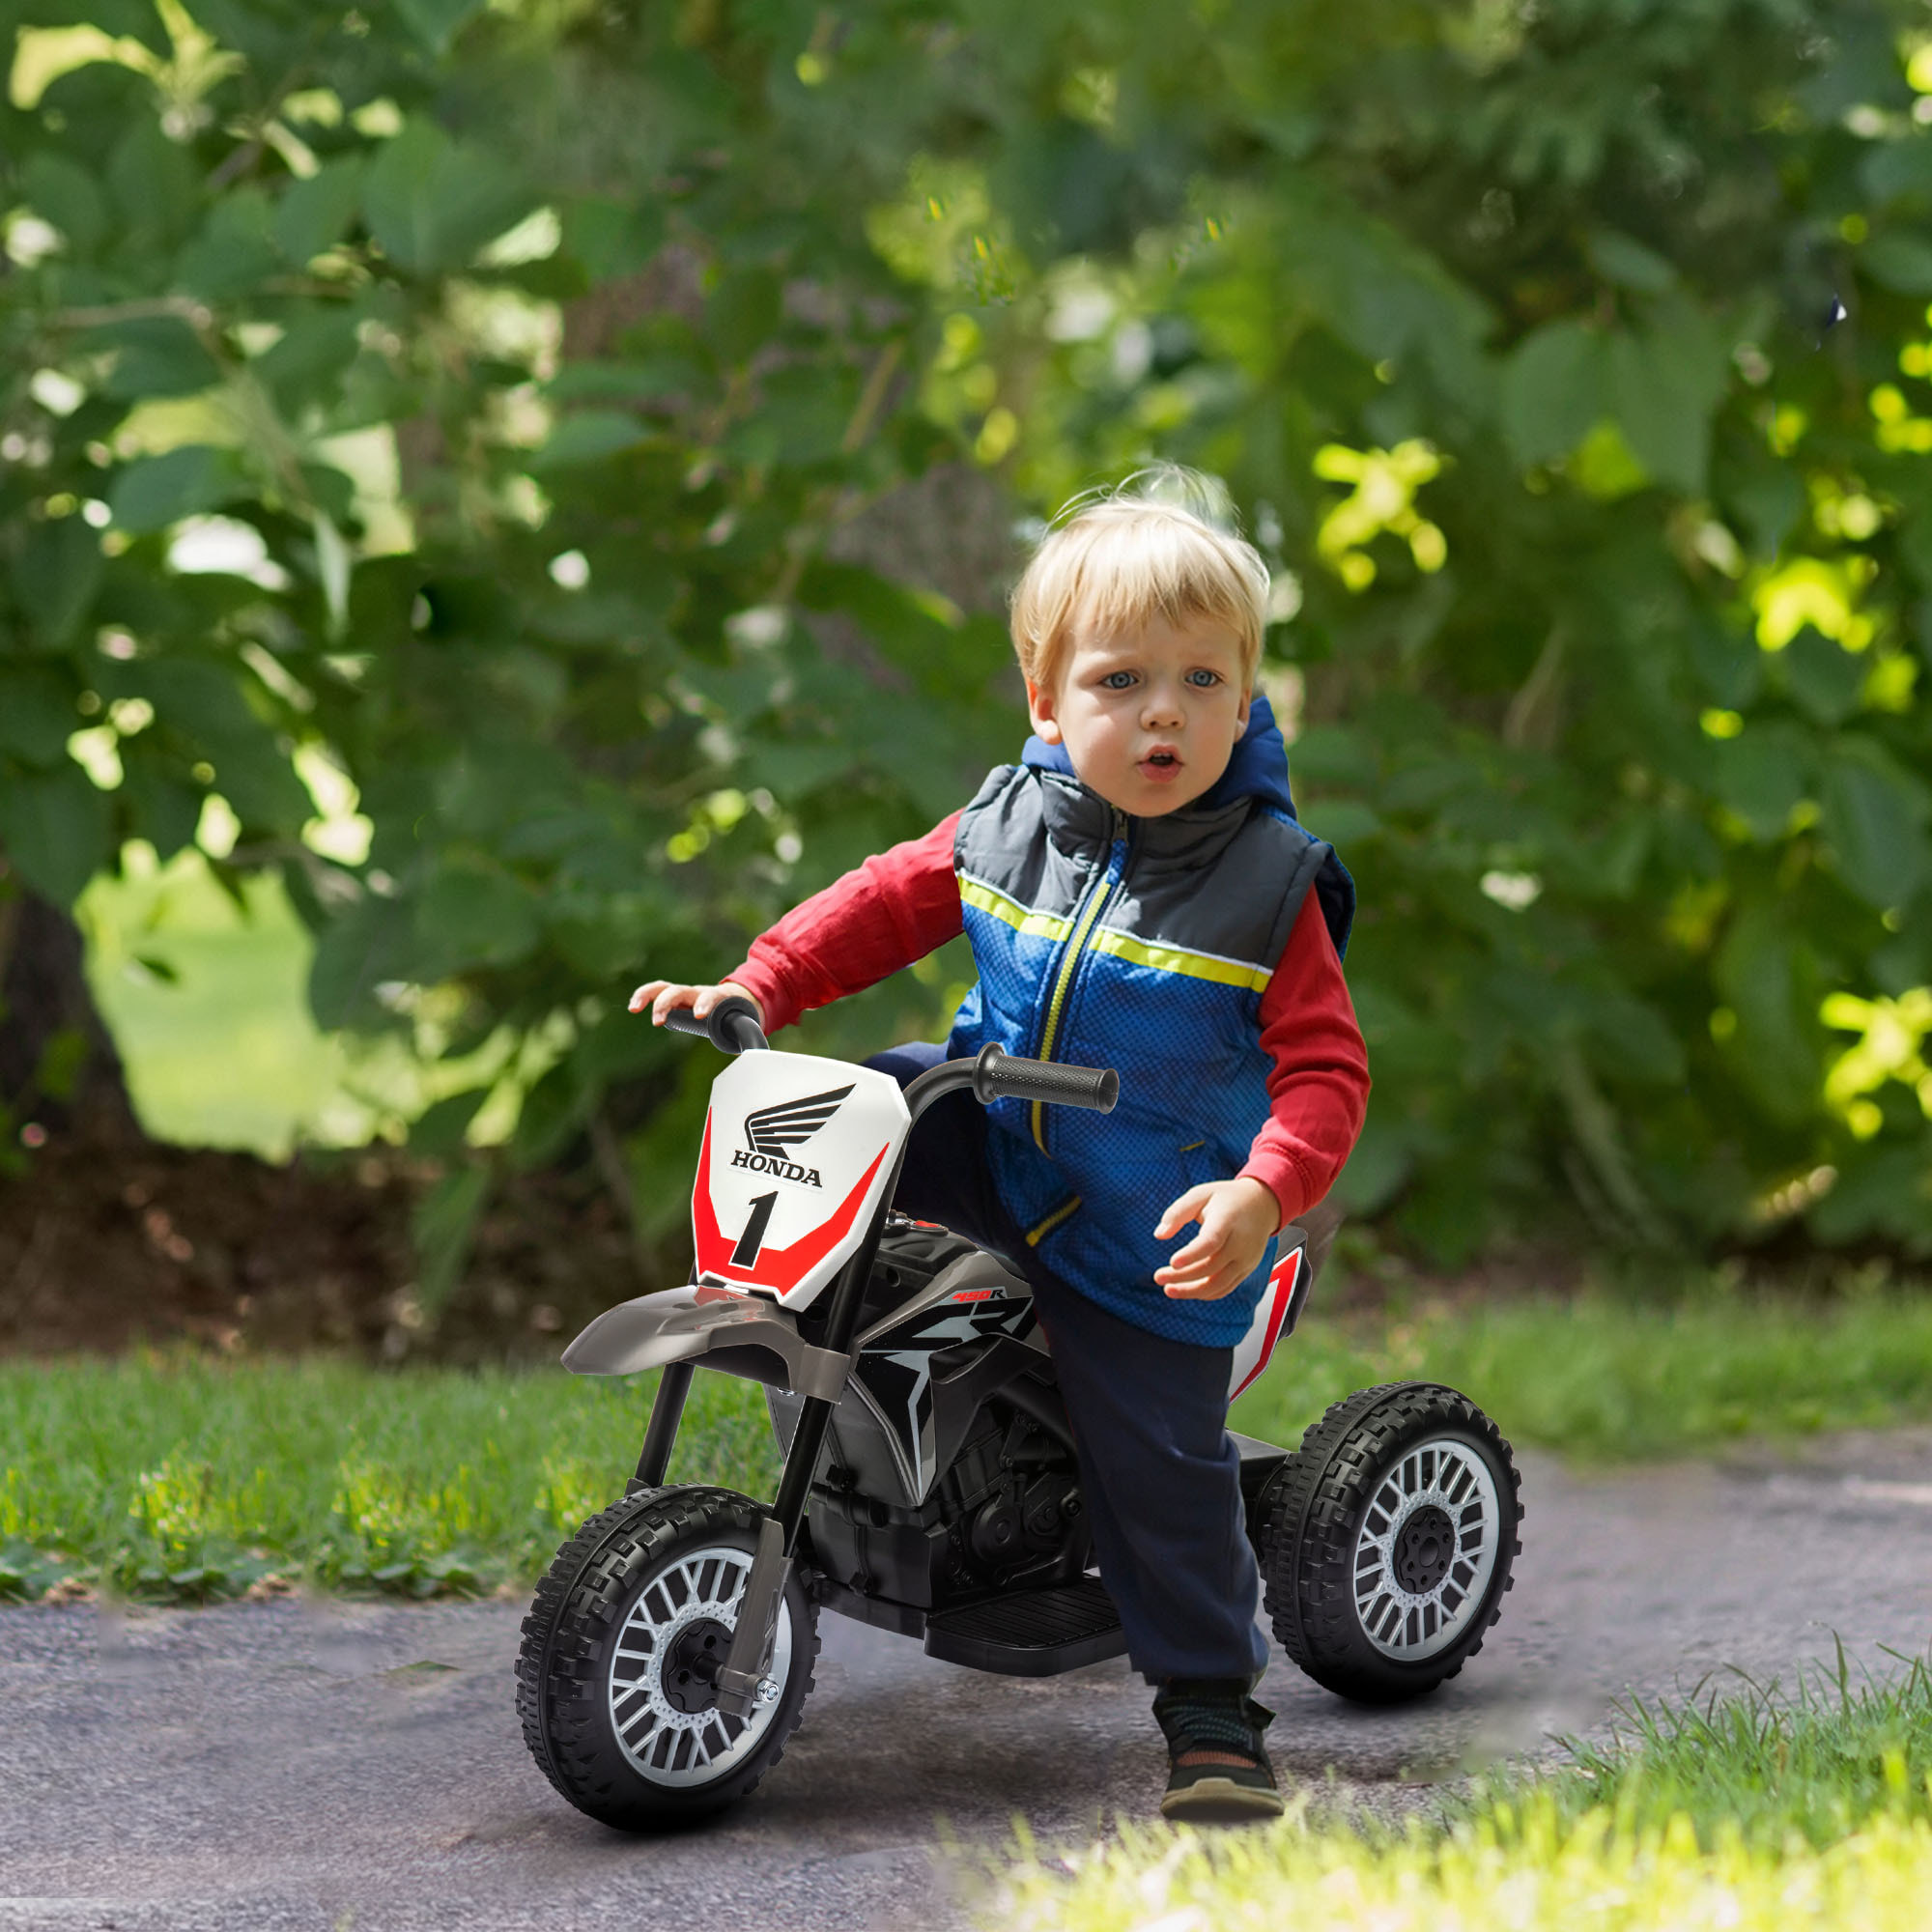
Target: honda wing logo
x,y
771,1132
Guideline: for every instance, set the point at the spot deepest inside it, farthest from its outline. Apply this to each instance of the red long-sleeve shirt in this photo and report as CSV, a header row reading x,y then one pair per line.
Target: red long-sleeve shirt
x,y
901,904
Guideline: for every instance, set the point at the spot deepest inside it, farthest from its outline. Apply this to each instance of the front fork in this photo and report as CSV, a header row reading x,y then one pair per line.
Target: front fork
x,y
749,1663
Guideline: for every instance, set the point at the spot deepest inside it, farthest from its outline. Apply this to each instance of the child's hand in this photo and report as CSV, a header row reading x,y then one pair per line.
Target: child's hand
x,y
663,995
1236,1219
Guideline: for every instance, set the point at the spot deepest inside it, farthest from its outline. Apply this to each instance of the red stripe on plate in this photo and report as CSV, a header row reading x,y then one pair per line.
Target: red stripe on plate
x,y
780,1270
1281,1284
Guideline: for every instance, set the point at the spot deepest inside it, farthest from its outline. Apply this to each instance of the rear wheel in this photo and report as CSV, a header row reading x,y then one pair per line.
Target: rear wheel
x,y
615,1680
1387,1541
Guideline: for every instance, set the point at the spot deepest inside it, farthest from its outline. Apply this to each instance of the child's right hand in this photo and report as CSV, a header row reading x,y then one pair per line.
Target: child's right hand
x,y
663,995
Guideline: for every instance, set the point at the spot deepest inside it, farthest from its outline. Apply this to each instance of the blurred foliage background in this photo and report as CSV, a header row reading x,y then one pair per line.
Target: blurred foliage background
x,y
499,501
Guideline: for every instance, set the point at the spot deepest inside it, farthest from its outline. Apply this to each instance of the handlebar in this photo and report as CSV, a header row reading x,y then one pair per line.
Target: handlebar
x,y
994,1074
732,1026
1001,1075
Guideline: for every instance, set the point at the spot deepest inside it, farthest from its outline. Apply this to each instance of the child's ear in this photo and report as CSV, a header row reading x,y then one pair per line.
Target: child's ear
x,y
1241,716
1040,709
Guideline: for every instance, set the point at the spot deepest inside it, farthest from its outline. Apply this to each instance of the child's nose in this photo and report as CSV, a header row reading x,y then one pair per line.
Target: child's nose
x,y
1163,706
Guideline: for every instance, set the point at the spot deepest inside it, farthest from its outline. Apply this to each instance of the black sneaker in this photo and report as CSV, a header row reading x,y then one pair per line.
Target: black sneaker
x,y
1218,1769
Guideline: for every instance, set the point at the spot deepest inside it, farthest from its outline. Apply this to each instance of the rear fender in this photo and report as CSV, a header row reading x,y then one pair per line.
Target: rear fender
x,y
715,1327
1278,1311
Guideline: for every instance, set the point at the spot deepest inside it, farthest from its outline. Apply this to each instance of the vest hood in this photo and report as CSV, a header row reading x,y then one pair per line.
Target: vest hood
x,y
1258,768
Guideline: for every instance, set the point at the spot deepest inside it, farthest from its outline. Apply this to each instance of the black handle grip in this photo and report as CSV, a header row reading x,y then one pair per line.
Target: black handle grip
x,y
732,1026
999,1075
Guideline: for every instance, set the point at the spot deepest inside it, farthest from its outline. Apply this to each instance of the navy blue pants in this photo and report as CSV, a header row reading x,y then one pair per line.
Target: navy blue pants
x,y
1160,1478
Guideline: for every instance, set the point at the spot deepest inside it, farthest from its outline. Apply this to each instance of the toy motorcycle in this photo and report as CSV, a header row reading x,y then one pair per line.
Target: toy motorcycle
x,y
930,1485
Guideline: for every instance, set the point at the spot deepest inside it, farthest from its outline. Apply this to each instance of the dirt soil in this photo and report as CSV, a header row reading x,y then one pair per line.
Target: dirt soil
x,y
104,1247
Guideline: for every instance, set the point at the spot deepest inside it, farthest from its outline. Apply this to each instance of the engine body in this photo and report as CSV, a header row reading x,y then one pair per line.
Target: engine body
x,y
947,1471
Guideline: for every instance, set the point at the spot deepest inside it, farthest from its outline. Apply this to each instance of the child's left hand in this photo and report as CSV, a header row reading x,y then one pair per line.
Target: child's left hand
x,y
1237,1218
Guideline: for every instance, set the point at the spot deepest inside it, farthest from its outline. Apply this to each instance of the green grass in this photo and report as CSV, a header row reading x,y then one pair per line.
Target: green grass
x,y
1606,1378
178,1476
181,1478
1759,1813
1814,1766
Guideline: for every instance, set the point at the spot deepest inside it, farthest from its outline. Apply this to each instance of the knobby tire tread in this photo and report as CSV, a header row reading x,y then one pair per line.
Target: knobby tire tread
x,y
1313,1510
578,1608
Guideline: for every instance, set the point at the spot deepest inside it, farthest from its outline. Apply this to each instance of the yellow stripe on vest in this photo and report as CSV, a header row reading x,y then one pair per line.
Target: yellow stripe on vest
x,y
1033,924
1175,960
1097,894
1041,1229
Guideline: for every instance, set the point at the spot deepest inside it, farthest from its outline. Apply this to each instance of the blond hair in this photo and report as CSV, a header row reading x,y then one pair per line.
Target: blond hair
x,y
1162,545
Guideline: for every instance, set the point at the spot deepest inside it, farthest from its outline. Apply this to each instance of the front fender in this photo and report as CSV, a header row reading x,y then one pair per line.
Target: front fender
x,y
720,1328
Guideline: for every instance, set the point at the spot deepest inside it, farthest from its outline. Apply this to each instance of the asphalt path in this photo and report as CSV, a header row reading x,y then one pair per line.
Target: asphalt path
x,y
358,1768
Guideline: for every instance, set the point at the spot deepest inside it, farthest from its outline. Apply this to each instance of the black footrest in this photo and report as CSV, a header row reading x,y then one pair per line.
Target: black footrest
x,y
1034,1634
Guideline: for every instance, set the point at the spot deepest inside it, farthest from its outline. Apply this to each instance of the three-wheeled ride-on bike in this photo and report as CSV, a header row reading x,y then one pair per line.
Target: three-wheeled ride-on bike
x,y
930,1485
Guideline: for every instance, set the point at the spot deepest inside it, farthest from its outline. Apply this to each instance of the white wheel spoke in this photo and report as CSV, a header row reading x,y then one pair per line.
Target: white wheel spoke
x,y
1427,1548
662,1650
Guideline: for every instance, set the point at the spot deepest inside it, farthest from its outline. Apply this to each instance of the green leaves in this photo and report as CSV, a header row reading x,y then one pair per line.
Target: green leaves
x,y
315,214
163,807
612,239
742,314
1874,814
1554,387
1768,977
308,362
234,249
365,947
1900,261
1628,263
436,22
36,714
431,203
1761,776
154,186
56,187
1660,381
155,356
54,829
538,552
1665,383
157,491
57,571
1899,172
589,435
471,915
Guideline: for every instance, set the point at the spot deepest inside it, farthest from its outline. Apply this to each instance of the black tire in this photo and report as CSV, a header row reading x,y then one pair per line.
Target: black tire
x,y
600,1721
1447,1502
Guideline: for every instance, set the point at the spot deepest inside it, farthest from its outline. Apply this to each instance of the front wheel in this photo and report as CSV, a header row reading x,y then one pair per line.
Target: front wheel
x,y
1387,1539
615,1680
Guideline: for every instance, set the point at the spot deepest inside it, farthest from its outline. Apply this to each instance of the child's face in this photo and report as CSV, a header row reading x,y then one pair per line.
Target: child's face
x,y
1148,717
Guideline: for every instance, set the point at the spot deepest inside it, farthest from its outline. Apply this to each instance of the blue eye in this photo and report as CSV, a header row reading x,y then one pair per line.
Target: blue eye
x,y
1203,680
1118,680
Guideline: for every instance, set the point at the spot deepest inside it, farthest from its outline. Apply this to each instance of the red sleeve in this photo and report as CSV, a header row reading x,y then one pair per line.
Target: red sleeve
x,y
1318,1085
894,909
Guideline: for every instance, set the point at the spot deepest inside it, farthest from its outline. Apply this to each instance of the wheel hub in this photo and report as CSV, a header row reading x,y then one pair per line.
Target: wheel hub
x,y
662,1678
690,1666
1427,1548
1424,1548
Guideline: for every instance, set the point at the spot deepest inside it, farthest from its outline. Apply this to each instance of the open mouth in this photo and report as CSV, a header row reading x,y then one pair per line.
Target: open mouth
x,y
1161,763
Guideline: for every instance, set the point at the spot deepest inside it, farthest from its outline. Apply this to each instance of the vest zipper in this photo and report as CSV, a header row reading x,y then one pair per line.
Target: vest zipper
x,y
1099,895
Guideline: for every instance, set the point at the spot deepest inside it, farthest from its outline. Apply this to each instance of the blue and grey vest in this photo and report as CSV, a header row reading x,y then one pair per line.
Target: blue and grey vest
x,y
1142,944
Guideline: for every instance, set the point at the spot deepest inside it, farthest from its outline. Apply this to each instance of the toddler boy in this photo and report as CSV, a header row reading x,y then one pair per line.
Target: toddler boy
x,y
1138,895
